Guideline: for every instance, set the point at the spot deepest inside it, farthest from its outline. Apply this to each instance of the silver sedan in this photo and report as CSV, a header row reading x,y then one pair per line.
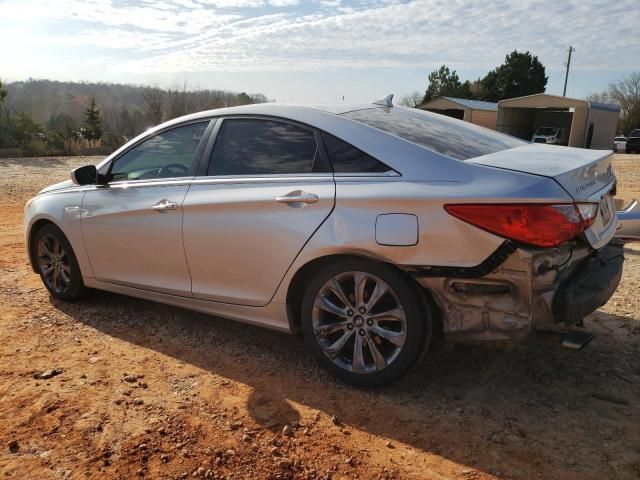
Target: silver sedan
x,y
371,229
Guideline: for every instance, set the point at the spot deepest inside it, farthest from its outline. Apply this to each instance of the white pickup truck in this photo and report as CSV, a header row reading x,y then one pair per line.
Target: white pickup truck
x,y
550,135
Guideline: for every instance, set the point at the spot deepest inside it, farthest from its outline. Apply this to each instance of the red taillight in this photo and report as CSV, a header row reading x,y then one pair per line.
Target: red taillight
x,y
540,225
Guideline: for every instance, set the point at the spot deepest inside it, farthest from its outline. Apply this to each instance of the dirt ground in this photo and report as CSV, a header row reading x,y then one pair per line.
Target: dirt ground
x,y
145,390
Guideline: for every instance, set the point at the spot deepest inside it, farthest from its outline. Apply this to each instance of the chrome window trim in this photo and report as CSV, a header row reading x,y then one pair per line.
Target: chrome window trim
x,y
292,177
387,174
160,182
242,179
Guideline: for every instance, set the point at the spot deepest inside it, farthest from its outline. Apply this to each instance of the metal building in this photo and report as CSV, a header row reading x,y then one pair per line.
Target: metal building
x,y
587,124
474,111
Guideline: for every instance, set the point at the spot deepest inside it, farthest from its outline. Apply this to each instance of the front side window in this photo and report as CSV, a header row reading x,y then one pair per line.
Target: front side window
x,y
447,136
166,155
262,147
346,158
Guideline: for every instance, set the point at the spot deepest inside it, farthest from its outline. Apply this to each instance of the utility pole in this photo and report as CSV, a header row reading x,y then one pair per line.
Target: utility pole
x,y
566,76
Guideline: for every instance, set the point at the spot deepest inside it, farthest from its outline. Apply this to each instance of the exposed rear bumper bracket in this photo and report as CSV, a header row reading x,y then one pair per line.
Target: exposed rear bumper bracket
x,y
492,262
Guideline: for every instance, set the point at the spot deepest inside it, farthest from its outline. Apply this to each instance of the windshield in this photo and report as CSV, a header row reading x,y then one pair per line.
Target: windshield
x,y
442,134
546,131
635,133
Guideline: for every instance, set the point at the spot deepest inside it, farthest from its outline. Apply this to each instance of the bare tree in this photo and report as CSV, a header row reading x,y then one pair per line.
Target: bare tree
x,y
258,98
153,99
177,100
601,97
626,93
413,99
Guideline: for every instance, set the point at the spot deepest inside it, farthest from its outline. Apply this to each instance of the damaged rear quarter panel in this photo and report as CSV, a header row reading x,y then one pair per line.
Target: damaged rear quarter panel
x,y
531,278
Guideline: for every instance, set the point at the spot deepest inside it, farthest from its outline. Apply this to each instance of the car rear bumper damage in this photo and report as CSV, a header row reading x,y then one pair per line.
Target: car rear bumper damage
x,y
518,290
589,285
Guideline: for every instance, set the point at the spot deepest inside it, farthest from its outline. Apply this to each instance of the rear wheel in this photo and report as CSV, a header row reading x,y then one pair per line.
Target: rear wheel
x,y
57,264
365,322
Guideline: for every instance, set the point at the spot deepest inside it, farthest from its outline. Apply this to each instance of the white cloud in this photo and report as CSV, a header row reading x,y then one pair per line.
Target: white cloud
x,y
178,36
283,3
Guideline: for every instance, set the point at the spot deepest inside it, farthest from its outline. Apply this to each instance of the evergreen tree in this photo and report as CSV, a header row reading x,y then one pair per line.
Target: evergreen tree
x,y
521,74
243,99
446,83
92,128
3,93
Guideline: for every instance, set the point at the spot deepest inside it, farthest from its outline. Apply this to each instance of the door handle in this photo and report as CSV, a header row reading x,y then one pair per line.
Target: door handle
x,y
164,205
298,196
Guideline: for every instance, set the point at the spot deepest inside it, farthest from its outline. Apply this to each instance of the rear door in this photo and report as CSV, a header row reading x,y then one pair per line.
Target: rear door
x,y
264,192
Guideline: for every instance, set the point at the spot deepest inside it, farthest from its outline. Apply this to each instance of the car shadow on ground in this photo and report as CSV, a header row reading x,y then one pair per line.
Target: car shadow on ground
x,y
500,412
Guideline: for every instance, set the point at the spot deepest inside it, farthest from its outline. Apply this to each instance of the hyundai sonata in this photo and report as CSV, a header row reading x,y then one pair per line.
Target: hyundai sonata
x,y
369,228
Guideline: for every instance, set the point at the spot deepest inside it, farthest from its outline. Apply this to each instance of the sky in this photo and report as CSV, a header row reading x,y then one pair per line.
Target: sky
x,y
316,51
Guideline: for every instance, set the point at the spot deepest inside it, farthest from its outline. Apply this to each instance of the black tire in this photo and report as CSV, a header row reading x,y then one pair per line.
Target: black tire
x,y
74,289
418,323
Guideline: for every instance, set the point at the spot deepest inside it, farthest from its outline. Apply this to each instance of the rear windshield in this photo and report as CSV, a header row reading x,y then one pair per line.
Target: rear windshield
x,y
445,135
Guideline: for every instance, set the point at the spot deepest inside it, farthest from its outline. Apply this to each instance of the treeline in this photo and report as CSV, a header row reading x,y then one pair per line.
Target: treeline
x,y
521,74
50,117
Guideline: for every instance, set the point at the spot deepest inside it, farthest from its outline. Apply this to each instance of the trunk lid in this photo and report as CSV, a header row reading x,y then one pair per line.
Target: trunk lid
x,y
587,175
581,172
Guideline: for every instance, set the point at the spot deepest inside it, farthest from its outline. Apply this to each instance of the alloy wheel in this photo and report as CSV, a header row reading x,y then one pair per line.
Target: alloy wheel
x,y
358,322
53,262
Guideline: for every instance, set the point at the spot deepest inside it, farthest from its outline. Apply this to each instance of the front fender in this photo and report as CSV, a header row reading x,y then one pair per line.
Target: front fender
x,y
63,209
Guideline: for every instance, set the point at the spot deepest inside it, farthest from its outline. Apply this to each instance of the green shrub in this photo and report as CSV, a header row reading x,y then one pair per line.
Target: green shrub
x,y
35,148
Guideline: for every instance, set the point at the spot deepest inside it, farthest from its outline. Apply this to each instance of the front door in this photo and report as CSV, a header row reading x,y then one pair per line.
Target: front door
x,y
266,191
132,227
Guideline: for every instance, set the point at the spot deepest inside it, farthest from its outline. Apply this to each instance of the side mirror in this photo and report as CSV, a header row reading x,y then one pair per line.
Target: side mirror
x,y
87,175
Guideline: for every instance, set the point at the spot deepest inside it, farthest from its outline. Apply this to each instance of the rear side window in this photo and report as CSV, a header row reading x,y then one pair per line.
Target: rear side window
x,y
262,147
346,158
448,136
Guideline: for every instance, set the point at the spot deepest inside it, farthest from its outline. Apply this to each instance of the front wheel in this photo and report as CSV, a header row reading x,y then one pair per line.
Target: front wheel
x,y
365,322
57,264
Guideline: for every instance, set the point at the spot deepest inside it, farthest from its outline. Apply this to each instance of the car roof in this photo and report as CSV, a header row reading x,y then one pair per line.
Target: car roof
x,y
314,115
280,109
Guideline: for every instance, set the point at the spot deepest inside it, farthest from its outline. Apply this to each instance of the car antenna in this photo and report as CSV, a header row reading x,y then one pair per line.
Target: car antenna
x,y
386,101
